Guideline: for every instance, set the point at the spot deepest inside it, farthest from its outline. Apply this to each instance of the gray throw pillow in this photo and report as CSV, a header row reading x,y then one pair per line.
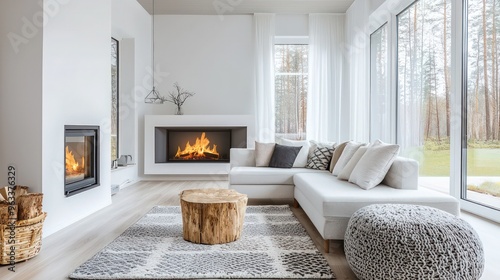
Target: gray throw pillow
x,y
284,156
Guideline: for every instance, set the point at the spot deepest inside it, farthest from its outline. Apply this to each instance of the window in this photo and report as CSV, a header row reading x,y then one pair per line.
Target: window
x,y
291,81
114,98
423,89
380,98
481,137
435,104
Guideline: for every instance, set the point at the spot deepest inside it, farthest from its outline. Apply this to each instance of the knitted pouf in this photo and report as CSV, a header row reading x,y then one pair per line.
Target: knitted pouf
x,y
398,241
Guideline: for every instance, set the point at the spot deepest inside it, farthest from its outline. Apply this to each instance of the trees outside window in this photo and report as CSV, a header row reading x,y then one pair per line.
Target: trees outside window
x,y
482,98
380,96
434,103
423,88
291,81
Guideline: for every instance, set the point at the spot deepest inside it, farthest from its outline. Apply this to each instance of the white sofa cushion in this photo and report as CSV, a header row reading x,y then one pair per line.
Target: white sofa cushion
x,y
403,174
349,167
373,165
346,155
263,153
248,175
338,198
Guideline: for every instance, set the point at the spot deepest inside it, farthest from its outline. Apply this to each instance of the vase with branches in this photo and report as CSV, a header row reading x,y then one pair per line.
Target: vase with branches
x,y
178,97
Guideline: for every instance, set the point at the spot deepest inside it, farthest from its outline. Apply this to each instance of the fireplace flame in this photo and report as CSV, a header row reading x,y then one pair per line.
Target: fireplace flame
x,y
200,150
72,166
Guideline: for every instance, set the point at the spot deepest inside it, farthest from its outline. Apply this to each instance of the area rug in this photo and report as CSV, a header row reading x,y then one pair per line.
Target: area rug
x,y
273,245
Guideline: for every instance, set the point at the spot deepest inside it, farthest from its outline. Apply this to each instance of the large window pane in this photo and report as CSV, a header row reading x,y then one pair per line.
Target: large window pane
x,y
291,90
483,104
380,113
423,73
114,99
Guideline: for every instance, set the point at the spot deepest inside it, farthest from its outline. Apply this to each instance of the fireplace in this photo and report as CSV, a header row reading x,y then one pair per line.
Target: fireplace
x,y
198,145
81,158
179,145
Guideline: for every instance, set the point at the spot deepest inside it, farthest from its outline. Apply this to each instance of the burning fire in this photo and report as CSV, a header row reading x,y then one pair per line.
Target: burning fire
x,y
200,150
72,166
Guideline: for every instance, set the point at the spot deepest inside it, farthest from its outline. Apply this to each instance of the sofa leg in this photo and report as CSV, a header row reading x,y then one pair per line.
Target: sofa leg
x,y
295,203
327,246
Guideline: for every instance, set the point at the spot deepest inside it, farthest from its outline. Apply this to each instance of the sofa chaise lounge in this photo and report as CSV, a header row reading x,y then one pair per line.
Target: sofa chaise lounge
x,y
329,202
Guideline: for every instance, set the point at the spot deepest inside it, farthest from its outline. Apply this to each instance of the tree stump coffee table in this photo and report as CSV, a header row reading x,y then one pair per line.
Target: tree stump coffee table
x,y
212,216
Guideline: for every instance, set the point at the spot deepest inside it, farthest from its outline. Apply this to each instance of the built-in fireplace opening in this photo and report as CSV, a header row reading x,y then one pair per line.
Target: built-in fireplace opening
x,y
188,145
197,144
81,158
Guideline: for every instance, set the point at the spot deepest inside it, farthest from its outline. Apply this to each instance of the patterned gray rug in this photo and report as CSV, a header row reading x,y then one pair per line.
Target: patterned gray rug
x,y
273,245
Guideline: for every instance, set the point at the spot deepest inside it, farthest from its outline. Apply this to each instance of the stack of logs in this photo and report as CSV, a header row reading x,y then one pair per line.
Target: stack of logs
x,y
26,205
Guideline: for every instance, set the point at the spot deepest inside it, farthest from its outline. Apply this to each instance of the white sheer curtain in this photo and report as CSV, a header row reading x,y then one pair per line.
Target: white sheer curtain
x,y
358,43
326,77
264,25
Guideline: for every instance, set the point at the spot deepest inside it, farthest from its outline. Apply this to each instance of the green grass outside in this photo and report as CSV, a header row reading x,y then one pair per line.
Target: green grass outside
x,y
480,162
434,160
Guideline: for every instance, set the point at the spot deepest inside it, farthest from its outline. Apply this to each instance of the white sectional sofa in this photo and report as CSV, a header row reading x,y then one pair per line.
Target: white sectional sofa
x,y
328,201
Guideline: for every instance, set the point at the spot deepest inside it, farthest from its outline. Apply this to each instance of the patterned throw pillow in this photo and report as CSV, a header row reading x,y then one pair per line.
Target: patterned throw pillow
x,y
320,158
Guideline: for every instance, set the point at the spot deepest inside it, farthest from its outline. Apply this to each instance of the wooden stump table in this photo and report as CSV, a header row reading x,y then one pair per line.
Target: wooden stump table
x,y
212,216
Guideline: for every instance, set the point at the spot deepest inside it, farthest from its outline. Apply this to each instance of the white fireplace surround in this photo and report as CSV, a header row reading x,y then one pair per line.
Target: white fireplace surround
x,y
153,121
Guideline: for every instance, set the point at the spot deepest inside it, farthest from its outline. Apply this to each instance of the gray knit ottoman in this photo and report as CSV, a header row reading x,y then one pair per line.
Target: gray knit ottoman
x,y
399,241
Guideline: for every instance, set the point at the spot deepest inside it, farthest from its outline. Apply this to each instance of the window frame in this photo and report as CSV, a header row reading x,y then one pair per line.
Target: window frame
x,y
117,42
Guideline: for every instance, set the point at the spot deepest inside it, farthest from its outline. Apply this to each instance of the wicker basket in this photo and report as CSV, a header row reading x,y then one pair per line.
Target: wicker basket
x,y
28,237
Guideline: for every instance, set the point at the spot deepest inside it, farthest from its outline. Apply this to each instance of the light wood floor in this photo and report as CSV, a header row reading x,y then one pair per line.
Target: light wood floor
x,y
63,251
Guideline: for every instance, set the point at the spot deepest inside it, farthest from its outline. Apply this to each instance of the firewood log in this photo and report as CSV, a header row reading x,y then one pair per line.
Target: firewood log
x,y
20,190
5,214
29,206
4,193
210,155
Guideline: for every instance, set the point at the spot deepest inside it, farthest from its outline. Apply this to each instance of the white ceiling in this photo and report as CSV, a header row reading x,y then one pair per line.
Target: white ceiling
x,y
244,7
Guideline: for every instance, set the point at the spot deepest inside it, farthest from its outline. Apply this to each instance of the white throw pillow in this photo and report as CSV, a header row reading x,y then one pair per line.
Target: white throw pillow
x,y
346,155
263,153
349,167
373,165
301,159
315,144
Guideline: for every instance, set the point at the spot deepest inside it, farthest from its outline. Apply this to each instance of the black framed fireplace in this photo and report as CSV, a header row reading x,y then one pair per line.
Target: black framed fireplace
x,y
81,158
198,145
193,144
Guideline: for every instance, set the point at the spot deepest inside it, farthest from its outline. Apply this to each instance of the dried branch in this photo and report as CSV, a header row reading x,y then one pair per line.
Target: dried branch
x,y
178,96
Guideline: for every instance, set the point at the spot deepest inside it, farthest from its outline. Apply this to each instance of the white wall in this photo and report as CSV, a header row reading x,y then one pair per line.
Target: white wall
x,y
76,91
374,4
59,76
210,57
292,25
21,92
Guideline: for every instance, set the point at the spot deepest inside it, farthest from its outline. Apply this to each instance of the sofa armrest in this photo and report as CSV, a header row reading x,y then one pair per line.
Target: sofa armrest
x,y
242,157
403,174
